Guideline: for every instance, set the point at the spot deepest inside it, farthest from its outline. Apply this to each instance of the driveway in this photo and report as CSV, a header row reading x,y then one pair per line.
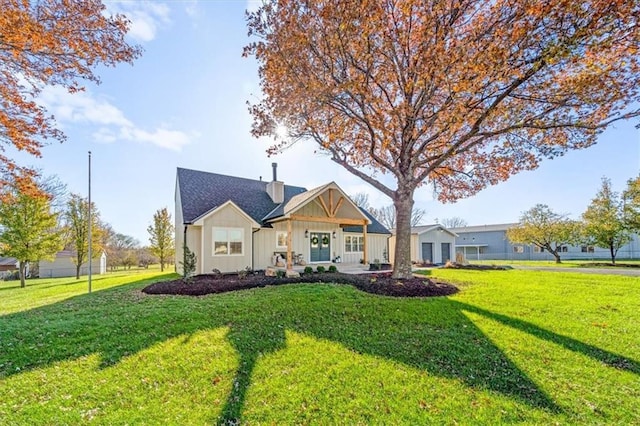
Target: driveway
x,y
629,272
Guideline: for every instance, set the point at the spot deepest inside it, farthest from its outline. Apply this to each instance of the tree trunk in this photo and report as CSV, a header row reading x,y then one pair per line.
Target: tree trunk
x,y
403,202
78,271
613,254
556,255
22,271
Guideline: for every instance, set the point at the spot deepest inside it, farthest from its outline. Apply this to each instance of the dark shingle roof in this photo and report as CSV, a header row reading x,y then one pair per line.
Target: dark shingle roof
x,y
201,192
374,227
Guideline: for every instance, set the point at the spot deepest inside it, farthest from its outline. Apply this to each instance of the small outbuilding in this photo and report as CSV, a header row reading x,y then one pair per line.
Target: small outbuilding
x,y
63,266
432,244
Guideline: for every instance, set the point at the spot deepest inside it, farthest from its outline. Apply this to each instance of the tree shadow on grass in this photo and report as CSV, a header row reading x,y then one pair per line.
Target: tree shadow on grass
x,y
433,335
609,358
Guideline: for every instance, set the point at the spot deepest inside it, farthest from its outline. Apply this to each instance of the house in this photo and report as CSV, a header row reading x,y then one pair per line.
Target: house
x,y
429,244
232,223
490,242
62,265
8,264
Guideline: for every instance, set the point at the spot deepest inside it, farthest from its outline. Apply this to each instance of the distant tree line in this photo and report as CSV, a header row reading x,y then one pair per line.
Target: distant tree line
x,y
36,223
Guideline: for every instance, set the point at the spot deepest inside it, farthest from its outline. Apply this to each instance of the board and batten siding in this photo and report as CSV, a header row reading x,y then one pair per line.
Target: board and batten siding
x,y
392,248
435,237
227,217
194,242
265,241
377,244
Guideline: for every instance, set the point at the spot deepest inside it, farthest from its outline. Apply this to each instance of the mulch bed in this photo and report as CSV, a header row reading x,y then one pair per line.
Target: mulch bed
x,y
380,283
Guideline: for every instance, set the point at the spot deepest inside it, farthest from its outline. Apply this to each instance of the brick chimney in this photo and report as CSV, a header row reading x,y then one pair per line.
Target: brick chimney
x,y
275,188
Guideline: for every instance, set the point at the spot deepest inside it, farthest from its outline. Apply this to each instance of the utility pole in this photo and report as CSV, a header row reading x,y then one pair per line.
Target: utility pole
x,y
89,216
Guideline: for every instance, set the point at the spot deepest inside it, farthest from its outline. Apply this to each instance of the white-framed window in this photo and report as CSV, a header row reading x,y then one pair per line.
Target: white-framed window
x,y
518,249
537,249
562,249
228,241
281,239
587,249
353,244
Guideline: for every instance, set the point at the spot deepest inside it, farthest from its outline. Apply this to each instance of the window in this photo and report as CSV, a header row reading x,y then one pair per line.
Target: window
x,y
587,249
228,241
353,244
562,249
537,249
518,249
281,239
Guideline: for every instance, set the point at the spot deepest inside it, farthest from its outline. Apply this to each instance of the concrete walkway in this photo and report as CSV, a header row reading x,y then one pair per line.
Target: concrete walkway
x,y
629,272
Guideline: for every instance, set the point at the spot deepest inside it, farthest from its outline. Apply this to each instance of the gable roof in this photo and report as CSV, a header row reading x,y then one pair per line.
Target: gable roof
x,y
421,229
485,228
374,227
202,192
8,261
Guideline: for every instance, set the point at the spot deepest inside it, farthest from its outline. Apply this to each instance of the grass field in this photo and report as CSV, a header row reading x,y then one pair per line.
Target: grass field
x,y
513,346
568,263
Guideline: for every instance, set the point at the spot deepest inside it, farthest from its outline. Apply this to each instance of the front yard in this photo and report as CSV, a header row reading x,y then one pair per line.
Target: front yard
x,y
512,346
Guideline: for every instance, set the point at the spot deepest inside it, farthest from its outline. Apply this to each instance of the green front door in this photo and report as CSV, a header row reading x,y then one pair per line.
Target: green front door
x,y
320,246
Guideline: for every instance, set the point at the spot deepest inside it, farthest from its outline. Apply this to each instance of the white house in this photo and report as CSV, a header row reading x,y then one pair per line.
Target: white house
x,y
232,223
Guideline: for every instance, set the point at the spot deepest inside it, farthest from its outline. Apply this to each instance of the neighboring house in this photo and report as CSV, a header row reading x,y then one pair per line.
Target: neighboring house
x,y
490,242
63,266
232,223
429,244
8,264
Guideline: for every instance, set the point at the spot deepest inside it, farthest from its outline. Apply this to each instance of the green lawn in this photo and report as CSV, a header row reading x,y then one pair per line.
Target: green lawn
x,y
566,263
512,347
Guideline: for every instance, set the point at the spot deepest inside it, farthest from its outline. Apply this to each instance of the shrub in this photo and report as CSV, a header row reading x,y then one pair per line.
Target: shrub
x,y
243,273
280,273
320,269
308,270
188,264
333,268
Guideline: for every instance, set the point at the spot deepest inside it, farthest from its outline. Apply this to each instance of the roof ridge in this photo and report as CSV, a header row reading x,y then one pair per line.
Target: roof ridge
x,y
235,177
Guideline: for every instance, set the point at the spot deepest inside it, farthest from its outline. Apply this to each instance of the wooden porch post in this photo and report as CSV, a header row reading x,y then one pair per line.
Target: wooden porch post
x,y
364,240
289,257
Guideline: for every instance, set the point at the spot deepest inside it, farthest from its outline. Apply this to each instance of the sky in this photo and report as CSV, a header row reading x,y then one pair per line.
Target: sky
x,y
183,104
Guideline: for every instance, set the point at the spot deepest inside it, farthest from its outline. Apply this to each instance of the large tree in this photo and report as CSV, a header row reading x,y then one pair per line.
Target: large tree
x,y
47,43
76,222
605,224
458,94
545,229
631,201
162,236
28,228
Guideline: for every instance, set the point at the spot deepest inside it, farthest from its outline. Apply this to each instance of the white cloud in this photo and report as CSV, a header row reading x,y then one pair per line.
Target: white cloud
x,y
146,17
85,108
192,8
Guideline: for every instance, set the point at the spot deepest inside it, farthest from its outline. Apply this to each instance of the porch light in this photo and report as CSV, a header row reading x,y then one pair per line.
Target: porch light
x,y
334,234
306,233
